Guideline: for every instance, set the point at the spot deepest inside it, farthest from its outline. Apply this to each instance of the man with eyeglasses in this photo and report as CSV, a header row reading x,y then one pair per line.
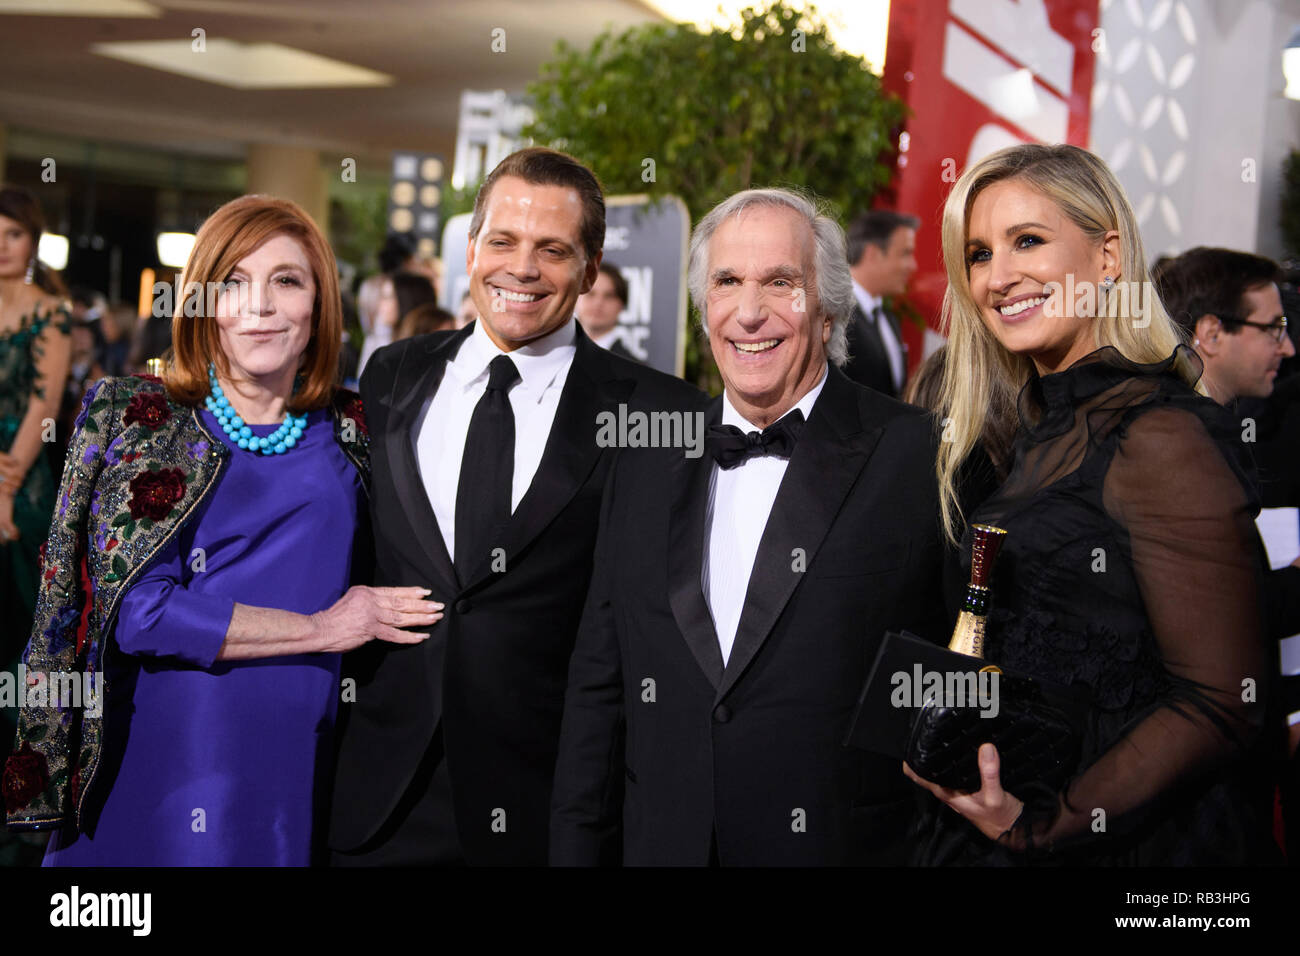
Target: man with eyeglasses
x,y
1228,303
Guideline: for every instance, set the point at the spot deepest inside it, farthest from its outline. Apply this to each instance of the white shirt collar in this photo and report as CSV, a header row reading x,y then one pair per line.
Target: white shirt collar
x,y
805,404
866,300
538,362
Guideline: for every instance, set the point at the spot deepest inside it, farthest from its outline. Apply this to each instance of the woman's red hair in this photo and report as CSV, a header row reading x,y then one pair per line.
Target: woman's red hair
x,y
227,236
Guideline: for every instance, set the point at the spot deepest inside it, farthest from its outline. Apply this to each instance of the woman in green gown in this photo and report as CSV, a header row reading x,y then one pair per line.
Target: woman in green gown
x,y
34,354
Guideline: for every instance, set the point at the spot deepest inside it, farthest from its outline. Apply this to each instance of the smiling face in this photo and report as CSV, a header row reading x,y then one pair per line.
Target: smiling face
x,y
1017,242
527,266
764,321
264,315
1242,361
15,248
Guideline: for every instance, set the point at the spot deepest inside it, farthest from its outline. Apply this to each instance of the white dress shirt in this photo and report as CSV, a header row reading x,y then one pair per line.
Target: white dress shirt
x,y
893,347
740,501
606,340
439,432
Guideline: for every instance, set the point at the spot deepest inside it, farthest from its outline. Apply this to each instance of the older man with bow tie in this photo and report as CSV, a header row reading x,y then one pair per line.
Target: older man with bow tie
x,y
739,598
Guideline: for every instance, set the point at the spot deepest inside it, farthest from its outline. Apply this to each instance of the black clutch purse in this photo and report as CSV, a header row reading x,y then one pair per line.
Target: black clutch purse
x,y
1035,739
934,707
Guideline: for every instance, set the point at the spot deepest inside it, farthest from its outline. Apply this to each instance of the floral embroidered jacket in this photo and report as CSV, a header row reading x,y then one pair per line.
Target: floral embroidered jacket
x,y
138,467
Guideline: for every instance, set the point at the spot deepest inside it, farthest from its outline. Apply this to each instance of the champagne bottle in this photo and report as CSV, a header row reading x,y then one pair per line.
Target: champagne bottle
x,y
968,634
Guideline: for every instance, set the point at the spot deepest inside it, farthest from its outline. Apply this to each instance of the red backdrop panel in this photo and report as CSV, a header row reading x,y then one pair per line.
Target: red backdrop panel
x,y
982,73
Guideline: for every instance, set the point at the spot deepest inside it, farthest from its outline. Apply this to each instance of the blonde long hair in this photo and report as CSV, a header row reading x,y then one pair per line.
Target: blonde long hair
x,y
982,379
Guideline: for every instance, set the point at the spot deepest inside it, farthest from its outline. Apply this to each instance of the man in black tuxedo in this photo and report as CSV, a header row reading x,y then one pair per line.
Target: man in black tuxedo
x,y
739,598
599,309
881,248
488,475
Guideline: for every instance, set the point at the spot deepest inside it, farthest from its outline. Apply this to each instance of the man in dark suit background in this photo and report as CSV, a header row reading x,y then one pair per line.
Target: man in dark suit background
x,y
739,598
487,483
599,309
882,258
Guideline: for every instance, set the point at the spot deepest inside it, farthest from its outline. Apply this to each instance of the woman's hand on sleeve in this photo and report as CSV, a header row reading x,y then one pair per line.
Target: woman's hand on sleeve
x,y
364,614
361,615
160,616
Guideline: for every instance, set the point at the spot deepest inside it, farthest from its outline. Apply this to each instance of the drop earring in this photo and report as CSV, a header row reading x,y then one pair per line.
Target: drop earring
x,y
1107,283
31,271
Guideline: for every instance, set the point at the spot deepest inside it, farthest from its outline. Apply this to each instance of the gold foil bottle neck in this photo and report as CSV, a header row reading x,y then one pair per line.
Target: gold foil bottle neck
x,y
968,635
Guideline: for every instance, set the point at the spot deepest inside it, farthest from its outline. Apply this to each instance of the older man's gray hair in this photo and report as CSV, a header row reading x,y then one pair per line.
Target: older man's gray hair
x,y
834,289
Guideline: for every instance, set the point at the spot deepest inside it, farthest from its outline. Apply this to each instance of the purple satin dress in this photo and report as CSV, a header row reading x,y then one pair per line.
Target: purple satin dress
x,y
211,763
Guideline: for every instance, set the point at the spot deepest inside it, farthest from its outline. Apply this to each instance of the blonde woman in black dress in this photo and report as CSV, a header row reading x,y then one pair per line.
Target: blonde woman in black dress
x,y
1129,567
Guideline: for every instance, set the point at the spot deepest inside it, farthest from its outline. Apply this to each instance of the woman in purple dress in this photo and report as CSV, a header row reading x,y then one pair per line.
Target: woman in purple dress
x,y
215,515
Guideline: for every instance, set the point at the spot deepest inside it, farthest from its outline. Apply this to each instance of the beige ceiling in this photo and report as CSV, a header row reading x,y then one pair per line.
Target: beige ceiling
x,y
51,82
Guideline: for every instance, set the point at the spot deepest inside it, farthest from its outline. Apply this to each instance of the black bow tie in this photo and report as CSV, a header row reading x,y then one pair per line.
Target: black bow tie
x,y
729,446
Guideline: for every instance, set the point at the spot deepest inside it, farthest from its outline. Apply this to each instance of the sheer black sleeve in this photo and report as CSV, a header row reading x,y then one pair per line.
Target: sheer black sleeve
x,y
1188,518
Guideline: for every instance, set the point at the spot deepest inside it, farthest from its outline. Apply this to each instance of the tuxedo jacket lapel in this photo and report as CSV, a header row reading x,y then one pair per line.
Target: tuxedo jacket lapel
x,y
687,544
571,451
827,460
417,379
869,342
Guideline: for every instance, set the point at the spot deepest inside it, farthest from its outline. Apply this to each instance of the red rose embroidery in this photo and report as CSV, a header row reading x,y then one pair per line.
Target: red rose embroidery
x,y
357,412
153,493
26,778
148,378
149,409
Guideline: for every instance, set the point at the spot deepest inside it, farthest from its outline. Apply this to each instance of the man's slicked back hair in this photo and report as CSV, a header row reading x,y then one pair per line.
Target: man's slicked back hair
x,y
540,166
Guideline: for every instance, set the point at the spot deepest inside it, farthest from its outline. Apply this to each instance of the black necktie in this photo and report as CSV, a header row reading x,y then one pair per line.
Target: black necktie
x,y
487,470
729,446
878,318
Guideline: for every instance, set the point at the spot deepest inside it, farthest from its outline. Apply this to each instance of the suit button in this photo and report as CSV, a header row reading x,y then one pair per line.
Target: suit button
x,y
722,714
463,606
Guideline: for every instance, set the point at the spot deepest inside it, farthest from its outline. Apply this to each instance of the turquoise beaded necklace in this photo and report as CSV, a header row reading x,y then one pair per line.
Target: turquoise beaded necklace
x,y
276,443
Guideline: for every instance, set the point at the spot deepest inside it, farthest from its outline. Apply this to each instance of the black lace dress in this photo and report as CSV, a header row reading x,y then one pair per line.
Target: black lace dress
x,y
1130,567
